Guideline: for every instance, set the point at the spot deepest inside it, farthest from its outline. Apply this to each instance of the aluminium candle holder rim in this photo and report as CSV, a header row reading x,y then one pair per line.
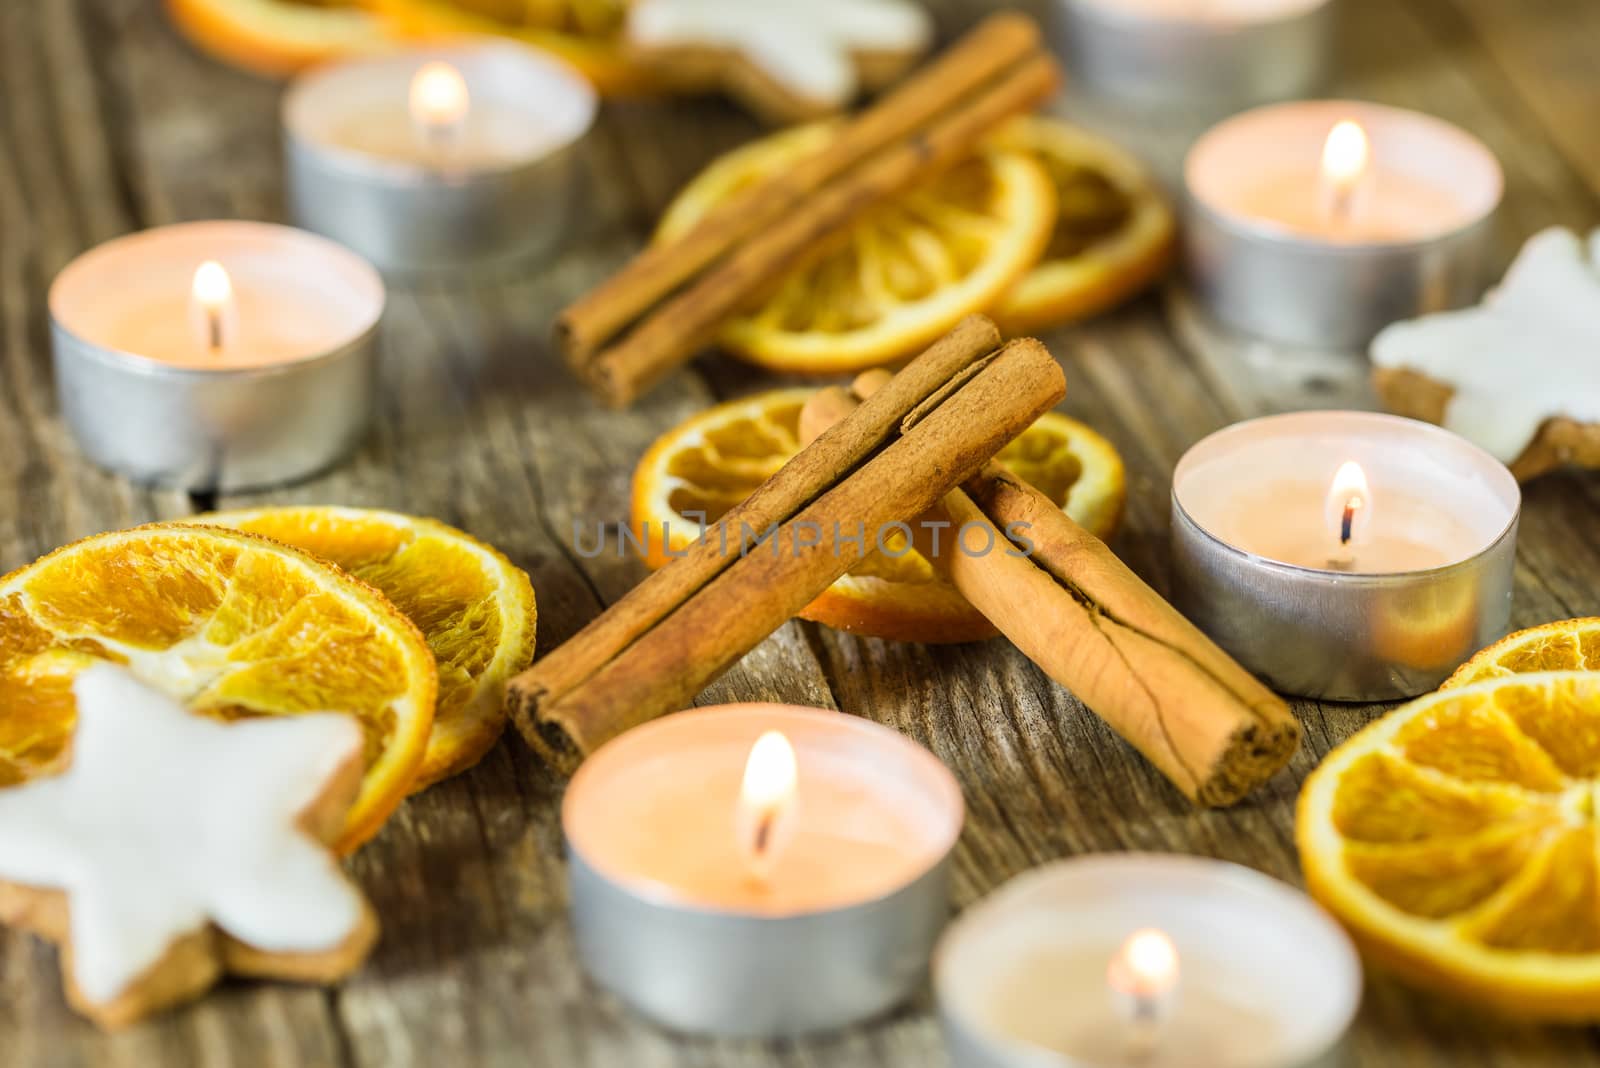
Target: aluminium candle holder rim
x,y
974,1046
658,894
1413,426
1139,58
417,174
698,968
222,428
1341,636
1281,283
1286,239
125,362
433,219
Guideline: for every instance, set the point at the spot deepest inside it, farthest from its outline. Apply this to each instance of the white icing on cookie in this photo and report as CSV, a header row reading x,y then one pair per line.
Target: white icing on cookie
x,y
803,45
166,821
1529,352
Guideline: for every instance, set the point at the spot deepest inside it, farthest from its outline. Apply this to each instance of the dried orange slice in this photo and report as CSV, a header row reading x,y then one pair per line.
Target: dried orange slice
x,y
1566,645
230,623
278,37
903,275
1113,234
698,470
475,608
1457,838
585,33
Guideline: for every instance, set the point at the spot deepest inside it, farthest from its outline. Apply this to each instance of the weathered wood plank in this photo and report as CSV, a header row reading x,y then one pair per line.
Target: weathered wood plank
x,y
108,122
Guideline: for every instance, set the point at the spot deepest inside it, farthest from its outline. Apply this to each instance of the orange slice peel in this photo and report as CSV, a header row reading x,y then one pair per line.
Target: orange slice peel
x,y
474,607
1457,839
232,624
698,470
901,277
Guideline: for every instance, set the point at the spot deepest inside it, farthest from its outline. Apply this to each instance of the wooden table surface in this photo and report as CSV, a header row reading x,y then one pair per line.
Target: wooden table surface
x,y
109,123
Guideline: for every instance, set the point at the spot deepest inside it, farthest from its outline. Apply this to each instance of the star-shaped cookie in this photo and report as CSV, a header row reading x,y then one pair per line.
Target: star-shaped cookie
x,y
787,60
1520,373
174,848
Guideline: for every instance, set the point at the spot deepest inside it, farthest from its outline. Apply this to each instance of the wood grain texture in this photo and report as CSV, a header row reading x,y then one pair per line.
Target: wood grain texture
x,y
108,122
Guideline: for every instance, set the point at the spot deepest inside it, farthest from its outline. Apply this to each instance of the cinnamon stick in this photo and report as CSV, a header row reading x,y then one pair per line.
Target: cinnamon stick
x,y
1095,627
819,468
673,661
673,330
997,44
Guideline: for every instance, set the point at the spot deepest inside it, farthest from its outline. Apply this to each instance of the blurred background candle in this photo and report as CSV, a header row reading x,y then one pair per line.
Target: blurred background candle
x,y
1196,54
760,869
1320,222
1344,555
216,355
1148,961
431,160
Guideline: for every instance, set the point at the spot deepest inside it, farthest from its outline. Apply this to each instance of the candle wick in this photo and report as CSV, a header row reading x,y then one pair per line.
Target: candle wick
x,y
763,834
1349,519
214,329
1341,199
1144,1032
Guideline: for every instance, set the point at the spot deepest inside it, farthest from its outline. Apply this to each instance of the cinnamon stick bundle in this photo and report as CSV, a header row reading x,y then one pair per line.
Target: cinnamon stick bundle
x,y
659,646
1095,627
671,299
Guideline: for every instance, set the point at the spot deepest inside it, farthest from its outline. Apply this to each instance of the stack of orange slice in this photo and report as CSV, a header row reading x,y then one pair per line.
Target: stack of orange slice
x,y
1459,836
277,37
235,624
698,470
1046,224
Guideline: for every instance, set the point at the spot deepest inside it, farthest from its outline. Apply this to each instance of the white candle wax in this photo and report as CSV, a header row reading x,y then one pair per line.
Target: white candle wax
x,y
658,809
438,159
1267,980
288,295
1263,487
1265,169
486,108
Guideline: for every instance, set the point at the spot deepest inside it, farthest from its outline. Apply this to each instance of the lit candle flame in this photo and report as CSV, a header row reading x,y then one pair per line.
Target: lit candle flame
x,y
1146,965
1346,169
439,101
1143,981
212,305
766,803
1349,504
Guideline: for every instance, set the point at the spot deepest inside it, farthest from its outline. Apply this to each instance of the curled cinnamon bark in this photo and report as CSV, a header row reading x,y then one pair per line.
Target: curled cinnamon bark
x,y
1095,627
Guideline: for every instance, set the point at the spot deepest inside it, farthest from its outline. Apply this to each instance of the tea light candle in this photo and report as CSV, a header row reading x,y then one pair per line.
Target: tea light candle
x,y
216,355
759,869
1344,555
1320,222
1144,960
438,159
1197,53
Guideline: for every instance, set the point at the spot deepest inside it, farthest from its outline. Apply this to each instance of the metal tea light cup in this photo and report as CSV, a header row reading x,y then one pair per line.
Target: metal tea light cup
x,y
231,427
1345,636
1142,58
1304,289
214,431
710,972
708,967
426,217
1020,977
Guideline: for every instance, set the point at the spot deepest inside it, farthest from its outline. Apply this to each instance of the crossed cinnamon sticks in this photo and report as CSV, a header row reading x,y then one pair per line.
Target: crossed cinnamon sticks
x,y
935,424
897,449
669,301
